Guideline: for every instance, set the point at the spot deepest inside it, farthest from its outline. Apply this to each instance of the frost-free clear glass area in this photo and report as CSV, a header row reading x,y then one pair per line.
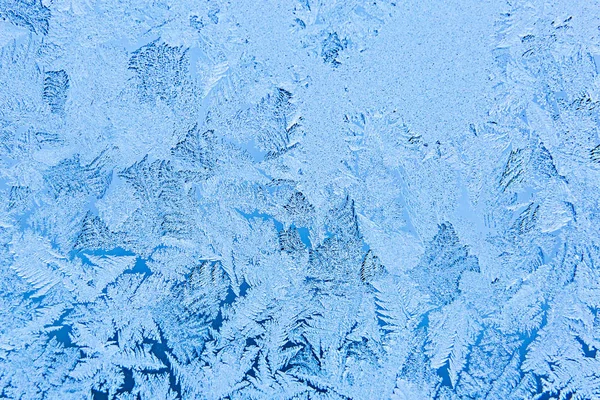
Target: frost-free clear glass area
x,y
299,199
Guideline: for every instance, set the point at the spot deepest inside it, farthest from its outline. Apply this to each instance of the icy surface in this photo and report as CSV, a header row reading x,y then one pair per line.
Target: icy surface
x,y
299,199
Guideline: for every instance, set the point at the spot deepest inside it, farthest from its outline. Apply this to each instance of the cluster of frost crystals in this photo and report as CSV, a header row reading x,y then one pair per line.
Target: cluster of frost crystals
x,y
299,199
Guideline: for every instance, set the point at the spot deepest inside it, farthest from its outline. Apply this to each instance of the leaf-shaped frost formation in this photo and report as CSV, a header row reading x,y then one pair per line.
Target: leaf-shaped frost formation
x,y
31,14
69,177
331,47
160,71
56,85
371,267
197,151
290,241
18,197
94,235
444,262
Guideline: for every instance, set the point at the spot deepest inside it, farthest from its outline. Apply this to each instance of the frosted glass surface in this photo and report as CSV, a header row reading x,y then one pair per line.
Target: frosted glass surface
x,y
299,199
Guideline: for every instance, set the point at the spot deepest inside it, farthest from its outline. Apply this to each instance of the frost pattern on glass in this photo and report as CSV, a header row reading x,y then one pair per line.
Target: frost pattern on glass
x,y
299,199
